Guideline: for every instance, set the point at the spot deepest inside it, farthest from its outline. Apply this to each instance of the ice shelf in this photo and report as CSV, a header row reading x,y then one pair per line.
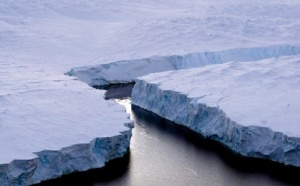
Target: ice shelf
x,y
54,126
127,71
252,108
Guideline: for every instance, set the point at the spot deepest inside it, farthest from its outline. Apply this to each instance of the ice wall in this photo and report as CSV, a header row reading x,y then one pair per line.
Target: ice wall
x,y
52,125
51,164
251,108
128,70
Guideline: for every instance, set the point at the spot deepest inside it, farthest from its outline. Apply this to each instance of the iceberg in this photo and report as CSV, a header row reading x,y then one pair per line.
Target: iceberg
x,y
252,108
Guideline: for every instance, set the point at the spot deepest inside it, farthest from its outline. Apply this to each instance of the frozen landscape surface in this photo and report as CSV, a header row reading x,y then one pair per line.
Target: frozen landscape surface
x,y
52,125
129,70
44,112
253,108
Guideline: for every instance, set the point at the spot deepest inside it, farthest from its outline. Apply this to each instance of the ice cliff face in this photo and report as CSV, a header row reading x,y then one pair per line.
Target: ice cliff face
x,y
128,70
52,125
51,164
249,107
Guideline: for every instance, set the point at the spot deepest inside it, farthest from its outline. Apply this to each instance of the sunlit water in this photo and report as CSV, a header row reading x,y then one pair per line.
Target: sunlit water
x,y
162,153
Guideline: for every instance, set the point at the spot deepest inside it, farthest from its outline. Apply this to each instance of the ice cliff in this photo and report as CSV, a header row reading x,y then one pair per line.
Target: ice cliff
x,y
50,164
252,108
55,126
128,70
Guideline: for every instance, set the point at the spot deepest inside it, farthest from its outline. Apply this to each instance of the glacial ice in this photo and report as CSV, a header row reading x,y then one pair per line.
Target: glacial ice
x,y
127,71
41,40
62,127
252,108
50,164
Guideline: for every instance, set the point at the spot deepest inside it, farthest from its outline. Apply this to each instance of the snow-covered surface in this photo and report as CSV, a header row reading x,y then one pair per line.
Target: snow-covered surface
x,y
42,109
129,70
172,35
253,108
40,114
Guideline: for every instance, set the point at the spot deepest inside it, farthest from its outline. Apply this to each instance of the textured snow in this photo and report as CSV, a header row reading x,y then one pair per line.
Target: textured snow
x,y
253,108
42,110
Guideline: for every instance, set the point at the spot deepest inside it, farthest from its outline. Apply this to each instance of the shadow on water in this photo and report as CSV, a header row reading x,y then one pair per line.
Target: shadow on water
x,y
116,91
164,153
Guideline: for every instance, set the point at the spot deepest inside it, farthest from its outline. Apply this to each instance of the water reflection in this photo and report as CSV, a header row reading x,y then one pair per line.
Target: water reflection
x,y
165,154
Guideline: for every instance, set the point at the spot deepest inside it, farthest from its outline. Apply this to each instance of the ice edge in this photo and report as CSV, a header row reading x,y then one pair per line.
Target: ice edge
x,y
212,123
129,70
52,164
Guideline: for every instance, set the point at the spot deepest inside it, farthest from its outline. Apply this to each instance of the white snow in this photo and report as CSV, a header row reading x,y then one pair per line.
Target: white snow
x,y
129,70
253,108
194,33
52,124
41,111
40,41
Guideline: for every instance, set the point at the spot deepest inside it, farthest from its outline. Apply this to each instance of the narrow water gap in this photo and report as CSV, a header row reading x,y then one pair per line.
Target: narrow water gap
x,y
163,153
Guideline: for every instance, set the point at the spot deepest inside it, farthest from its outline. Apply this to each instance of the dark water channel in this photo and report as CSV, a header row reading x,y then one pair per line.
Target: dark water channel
x,y
162,153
